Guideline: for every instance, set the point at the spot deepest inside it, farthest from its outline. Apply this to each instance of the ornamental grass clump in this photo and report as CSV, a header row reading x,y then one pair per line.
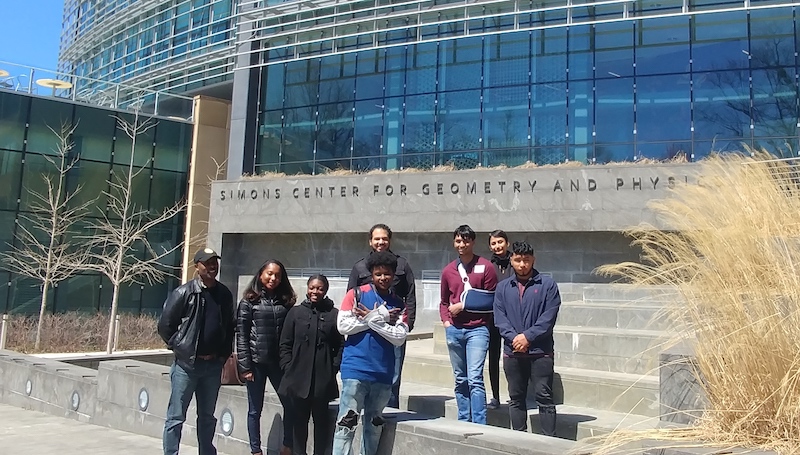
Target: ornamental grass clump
x,y
733,252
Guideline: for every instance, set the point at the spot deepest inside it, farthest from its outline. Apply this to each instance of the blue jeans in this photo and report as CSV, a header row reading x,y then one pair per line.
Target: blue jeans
x,y
371,397
399,357
467,348
255,403
203,382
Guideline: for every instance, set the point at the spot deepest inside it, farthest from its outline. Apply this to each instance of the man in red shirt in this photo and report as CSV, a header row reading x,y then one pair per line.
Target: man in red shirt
x,y
467,332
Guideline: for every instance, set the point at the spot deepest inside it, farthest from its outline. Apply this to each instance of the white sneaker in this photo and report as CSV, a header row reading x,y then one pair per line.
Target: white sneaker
x,y
493,404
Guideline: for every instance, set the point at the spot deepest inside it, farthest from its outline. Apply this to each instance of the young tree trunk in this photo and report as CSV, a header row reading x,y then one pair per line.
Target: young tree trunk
x,y
113,319
42,309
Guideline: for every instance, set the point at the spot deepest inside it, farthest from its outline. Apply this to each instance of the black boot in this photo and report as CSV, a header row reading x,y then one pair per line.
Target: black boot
x,y
547,420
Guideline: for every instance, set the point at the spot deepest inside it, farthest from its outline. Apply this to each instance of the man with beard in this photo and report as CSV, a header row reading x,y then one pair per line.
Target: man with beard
x,y
380,239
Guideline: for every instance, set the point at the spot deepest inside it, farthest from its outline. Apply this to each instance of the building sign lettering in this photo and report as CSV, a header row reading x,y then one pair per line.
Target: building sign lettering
x,y
271,190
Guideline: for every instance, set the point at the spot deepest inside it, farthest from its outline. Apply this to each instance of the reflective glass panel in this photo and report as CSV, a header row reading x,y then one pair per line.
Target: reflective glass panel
x,y
395,70
419,123
662,108
459,120
505,117
79,293
140,184
606,153
775,99
721,105
370,70
581,55
549,113
507,59
581,112
719,41
94,133
10,174
421,68
34,170
273,92
460,63
92,177
772,38
299,133
302,83
173,145
269,139
662,45
549,55
13,115
335,133
614,49
168,187
368,128
139,141
48,120
614,110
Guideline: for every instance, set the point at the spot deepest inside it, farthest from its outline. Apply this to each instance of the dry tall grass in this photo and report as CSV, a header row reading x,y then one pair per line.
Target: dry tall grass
x,y
80,332
734,255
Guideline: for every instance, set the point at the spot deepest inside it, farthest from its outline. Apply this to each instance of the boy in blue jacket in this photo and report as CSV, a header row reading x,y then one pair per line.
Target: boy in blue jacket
x,y
525,311
374,322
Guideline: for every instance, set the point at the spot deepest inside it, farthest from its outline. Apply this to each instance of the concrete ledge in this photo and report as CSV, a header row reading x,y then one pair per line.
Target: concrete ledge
x,y
111,397
47,386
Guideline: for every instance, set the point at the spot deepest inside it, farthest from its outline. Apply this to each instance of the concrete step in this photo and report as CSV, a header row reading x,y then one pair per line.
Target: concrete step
x,y
596,348
619,315
600,292
608,349
573,422
603,390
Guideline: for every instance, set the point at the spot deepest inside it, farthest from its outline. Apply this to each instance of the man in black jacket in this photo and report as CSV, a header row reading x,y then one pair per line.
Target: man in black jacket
x,y
380,238
197,323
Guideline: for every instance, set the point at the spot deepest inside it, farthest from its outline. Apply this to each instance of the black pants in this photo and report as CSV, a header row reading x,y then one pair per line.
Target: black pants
x,y
540,371
495,346
255,403
323,428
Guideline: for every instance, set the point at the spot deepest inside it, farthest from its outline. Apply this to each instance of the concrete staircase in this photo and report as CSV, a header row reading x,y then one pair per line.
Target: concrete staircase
x,y
607,340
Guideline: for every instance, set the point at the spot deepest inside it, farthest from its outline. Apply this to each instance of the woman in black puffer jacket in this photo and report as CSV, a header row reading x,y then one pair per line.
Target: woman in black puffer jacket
x,y
259,321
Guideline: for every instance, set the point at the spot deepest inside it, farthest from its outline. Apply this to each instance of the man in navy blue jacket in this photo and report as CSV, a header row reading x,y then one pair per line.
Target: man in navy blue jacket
x,y
525,311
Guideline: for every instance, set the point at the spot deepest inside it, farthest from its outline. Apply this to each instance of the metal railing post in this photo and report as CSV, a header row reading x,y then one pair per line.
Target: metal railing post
x,y
30,82
116,332
3,331
155,104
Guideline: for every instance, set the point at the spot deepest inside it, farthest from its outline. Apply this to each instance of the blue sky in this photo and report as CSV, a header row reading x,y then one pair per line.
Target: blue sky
x,y
30,31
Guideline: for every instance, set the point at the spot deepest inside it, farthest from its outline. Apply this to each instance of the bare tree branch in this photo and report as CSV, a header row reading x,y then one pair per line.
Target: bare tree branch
x,y
118,244
44,248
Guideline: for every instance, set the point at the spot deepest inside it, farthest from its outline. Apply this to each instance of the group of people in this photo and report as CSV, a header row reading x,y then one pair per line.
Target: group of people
x,y
518,316
301,347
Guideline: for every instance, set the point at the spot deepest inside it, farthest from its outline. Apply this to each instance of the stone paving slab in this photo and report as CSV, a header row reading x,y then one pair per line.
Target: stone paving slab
x,y
23,431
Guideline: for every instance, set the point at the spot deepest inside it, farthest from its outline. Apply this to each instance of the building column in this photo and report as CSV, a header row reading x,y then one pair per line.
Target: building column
x,y
212,120
244,107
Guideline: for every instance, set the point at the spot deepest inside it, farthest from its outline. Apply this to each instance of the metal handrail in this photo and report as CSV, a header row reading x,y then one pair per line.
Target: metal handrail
x,y
115,95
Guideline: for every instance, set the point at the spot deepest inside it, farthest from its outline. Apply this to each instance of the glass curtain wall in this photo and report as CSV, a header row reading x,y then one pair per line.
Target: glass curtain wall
x,y
166,33
25,140
596,93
